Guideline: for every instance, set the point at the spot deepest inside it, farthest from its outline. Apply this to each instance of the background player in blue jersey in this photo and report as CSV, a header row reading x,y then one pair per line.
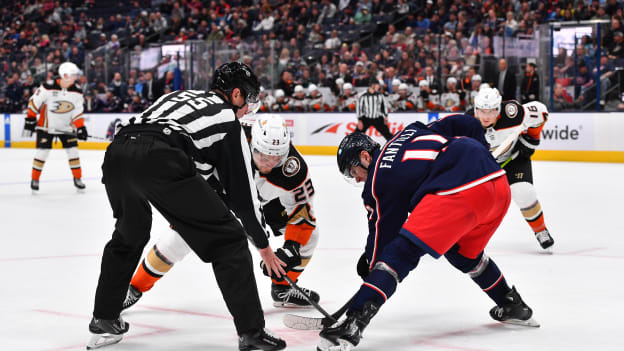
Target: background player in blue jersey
x,y
425,193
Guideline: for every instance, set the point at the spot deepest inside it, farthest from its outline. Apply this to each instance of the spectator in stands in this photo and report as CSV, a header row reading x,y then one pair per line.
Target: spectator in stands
x,y
118,87
362,16
562,101
529,88
506,82
113,102
616,50
333,42
286,83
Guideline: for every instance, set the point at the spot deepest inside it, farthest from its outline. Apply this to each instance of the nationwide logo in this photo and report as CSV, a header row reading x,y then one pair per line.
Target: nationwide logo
x,y
564,133
341,128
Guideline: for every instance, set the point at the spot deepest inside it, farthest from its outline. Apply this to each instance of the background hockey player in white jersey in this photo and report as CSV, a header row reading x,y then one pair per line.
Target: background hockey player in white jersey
x,y
286,192
475,84
452,100
523,124
347,101
314,100
59,105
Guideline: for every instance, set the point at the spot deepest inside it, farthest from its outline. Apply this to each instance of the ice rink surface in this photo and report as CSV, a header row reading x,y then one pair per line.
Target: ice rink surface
x,y
52,242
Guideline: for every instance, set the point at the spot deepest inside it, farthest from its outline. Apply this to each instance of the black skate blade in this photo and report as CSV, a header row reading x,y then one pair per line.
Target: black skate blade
x,y
100,340
525,323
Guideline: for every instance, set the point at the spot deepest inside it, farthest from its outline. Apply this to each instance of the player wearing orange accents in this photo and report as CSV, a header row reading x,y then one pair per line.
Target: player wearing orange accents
x,y
285,191
59,106
500,120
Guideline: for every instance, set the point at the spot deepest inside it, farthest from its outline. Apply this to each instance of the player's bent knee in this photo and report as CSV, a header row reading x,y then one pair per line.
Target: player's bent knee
x,y
523,194
471,266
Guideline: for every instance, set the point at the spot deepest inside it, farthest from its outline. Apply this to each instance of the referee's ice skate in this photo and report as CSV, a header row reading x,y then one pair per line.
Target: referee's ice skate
x,y
106,332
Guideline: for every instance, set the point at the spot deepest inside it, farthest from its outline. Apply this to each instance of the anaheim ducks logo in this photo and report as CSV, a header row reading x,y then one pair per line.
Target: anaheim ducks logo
x,y
291,166
62,106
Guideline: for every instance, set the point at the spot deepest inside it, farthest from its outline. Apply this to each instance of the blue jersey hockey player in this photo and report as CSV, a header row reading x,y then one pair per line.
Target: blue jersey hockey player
x,y
426,192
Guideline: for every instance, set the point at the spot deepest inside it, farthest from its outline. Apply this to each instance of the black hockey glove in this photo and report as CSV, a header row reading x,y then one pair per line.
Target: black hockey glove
x,y
289,254
524,150
82,133
362,267
424,94
29,127
462,94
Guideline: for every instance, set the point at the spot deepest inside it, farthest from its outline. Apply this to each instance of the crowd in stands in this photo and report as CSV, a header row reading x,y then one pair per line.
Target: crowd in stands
x,y
425,54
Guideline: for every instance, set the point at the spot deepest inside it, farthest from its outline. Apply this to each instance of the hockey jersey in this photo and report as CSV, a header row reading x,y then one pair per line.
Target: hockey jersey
x,y
60,110
416,162
286,195
512,116
347,102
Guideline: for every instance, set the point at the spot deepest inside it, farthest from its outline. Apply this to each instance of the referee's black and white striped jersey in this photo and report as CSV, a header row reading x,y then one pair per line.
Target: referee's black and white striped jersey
x,y
372,105
214,139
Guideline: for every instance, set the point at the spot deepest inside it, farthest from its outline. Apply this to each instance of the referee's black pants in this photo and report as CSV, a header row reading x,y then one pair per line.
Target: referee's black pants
x,y
143,169
379,123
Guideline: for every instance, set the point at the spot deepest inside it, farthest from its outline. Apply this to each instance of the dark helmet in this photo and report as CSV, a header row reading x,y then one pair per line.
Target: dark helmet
x,y
350,148
236,75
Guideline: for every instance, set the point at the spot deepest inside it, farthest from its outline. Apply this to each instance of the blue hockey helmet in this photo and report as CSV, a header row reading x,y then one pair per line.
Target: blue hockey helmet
x,y
349,151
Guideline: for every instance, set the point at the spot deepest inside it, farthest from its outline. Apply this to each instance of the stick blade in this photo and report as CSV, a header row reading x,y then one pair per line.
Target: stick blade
x,y
302,323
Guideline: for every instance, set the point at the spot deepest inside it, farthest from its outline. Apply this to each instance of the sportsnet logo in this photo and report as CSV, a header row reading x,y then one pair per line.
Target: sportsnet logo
x,y
342,129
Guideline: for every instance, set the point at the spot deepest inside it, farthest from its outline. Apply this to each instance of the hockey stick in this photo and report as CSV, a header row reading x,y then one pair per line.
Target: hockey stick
x,y
508,141
58,132
312,302
312,323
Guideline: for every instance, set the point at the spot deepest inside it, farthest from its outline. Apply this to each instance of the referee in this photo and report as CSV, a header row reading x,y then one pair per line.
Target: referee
x,y
158,158
372,110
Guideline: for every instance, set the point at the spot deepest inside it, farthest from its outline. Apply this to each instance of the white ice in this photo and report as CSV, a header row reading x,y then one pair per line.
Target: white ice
x,y
52,242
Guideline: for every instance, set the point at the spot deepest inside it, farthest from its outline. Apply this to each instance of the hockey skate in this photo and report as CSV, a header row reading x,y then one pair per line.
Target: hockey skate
x,y
80,186
106,332
34,186
346,335
544,239
286,296
260,340
132,296
515,312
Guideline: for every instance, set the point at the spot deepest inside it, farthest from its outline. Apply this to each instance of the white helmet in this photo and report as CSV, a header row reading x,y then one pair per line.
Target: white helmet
x,y
488,98
279,93
402,86
270,136
484,86
298,89
339,81
395,81
347,86
423,83
312,87
476,78
69,69
451,80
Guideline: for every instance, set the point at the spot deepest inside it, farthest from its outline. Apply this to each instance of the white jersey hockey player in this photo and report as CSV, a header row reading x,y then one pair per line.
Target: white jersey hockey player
x,y
347,101
513,132
59,106
286,193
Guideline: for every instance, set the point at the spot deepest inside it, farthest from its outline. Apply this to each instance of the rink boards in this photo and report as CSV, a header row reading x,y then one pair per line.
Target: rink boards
x,y
593,137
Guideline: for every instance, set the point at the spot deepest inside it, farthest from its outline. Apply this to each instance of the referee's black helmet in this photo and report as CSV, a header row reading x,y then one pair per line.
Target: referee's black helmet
x,y
236,75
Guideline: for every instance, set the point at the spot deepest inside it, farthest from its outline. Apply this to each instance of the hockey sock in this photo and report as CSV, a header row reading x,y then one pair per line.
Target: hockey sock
x,y
534,216
525,196
152,268
37,168
41,155
295,272
74,162
491,280
399,257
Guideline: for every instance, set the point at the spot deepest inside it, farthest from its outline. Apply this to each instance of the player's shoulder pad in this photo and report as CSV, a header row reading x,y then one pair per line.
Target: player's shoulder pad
x,y
512,114
292,173
51,86
75,88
